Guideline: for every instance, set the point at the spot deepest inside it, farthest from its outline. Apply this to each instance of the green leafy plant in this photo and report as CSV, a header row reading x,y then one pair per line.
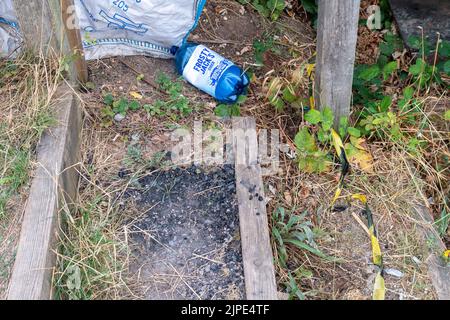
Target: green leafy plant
x,y
292,229
176,105
311,158
293,288
230,110
115,106
424,73
261,46
268,8
443,223
282,92
312,9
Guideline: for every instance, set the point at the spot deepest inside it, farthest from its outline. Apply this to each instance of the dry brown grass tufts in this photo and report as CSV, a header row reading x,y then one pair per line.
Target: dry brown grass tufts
x,y
93,251
27,85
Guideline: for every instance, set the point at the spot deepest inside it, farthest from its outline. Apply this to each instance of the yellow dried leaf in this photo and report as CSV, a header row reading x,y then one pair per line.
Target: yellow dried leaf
x,y
359,143
310,69
337,142
363,160
358,155
288,198
336,195
298,75
136,95
274,87
312,102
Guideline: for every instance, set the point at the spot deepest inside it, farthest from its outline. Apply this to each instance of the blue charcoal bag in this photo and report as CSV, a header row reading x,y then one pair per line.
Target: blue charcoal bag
x,y
210,72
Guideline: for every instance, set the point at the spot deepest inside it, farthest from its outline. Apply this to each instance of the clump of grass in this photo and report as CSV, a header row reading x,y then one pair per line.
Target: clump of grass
x,y
90,252
93,251
27,85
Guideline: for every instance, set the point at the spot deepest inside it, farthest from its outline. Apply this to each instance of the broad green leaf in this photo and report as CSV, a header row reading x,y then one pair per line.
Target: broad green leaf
x,y
447,67
134,105
343,125
370,73
444,49
385,104
302,245
327,118
354,132
417,68
304,141
447,115
313,116
408,93
108,99
225,110
389,68
414,42
289,94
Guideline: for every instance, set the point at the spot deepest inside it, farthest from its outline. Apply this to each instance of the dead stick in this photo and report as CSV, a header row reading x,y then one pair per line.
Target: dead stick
x,y
149,82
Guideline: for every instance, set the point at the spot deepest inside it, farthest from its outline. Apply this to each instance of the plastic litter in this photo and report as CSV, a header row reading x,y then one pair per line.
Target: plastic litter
x,y
9,29
121,27
210,72
394,272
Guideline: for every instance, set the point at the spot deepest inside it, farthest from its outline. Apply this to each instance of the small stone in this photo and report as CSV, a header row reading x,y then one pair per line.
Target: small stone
x,y
135,137
119,117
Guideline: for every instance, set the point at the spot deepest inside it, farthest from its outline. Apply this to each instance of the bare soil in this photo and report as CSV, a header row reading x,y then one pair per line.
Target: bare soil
x,y
187,244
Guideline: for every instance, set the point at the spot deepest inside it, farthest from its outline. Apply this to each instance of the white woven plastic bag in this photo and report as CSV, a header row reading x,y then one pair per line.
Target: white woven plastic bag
x,y
9,29
132,27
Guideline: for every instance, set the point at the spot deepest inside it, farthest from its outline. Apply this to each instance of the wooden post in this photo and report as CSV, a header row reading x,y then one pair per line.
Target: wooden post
x,y
336,49
36,25
44,30
74,40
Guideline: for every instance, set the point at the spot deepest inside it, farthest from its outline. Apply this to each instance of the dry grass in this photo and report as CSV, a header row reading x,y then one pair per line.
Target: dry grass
x,y
27,85
95,241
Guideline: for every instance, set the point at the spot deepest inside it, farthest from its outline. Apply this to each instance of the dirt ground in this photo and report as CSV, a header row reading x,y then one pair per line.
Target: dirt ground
x,y
231,30
189,227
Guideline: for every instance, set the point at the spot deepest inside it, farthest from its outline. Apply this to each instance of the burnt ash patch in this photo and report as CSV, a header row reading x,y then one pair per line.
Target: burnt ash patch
x,y
187,244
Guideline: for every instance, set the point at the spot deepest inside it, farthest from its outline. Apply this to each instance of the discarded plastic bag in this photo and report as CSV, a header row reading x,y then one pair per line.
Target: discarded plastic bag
x,y
123,27
9,29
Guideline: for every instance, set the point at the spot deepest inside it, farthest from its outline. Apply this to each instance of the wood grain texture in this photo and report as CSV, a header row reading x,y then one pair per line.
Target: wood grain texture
x,y
438,271
54,185
80,69
47,27
37,25
336,48
257,254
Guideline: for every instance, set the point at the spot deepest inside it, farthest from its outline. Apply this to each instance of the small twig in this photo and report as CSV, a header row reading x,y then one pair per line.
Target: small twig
x,y
184,281
207,259
144,79
358,219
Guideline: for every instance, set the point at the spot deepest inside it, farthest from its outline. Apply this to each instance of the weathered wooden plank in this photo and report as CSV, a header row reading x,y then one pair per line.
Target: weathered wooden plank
x,y
47,27
336,48
54,185
36,24
257,254
438,271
